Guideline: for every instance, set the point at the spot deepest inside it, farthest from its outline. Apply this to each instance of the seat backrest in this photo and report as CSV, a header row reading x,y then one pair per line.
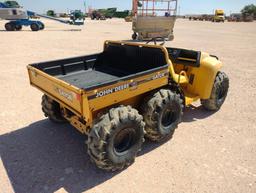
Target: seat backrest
x,y
130,59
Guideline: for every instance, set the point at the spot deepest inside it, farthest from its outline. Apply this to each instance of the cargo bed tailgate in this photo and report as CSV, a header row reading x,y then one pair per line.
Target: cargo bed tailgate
x,y
59,90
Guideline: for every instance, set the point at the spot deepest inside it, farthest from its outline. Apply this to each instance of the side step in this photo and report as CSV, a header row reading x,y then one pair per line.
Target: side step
x,y
189,98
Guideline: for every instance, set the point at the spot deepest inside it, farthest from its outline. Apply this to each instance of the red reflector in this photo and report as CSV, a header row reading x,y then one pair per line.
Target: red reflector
x,y
78,97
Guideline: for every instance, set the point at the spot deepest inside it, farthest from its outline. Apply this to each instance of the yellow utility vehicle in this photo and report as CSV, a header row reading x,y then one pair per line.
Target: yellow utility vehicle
x,y
126,92
219,16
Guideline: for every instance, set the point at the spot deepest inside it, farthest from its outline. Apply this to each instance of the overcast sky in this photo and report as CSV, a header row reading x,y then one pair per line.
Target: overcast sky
x,y
186,6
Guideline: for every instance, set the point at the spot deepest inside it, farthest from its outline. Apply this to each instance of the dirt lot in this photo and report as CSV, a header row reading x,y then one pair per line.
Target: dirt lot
x,y
210,152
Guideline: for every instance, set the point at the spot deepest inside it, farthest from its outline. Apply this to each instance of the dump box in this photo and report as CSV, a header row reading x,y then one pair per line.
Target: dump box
x,y
88,84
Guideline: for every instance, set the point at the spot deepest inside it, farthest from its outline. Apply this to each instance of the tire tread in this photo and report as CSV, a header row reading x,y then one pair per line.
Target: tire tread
x,y
51,109
211,104
100,133
151,112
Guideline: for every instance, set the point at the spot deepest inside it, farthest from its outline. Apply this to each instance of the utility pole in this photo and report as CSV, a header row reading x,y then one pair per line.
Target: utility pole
x,y
85,6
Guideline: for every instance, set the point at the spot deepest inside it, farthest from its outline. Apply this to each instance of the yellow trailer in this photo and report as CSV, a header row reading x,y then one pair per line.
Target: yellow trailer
x,y
126,92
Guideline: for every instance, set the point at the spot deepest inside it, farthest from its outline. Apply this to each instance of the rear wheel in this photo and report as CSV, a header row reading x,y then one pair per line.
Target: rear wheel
x,y
134,36
171,37
18,27
219,93
116,138
34,27
52,110
42,26
140,37
162,113
9,27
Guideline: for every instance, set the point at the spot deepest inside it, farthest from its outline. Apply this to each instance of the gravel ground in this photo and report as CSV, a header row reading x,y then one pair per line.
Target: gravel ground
x,y
210,152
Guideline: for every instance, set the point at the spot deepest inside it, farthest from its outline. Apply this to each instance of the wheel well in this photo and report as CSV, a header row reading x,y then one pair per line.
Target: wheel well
x,y
173,86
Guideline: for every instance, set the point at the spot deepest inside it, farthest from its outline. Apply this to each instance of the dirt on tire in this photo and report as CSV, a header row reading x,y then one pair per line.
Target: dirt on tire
x,y
155,109
52,110
219,93
101,140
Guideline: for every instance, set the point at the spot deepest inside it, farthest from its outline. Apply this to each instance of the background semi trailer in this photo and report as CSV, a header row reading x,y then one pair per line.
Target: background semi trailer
x,y
127,92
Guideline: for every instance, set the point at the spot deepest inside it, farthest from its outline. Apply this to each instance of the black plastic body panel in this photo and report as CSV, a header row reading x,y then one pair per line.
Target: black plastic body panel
x,y
184,57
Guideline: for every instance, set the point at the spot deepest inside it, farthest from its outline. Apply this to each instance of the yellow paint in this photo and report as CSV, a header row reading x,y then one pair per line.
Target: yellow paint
x,y
74,120
204,76
219,15
49,85
117,97
189,98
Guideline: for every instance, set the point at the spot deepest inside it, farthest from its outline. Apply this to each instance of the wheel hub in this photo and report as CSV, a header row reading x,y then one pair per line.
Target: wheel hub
x,y
169,116
124,140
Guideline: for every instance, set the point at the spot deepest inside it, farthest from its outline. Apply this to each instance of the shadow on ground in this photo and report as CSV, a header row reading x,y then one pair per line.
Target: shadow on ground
x,y
193,113
44,157
45,30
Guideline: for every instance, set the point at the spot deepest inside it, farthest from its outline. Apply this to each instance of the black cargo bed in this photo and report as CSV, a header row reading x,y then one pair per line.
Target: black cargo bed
x,y
88,78
118,62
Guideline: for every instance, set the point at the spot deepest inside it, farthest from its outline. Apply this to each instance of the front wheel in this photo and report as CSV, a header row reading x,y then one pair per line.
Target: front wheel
x,y
219,93
34,27
116,138
9,27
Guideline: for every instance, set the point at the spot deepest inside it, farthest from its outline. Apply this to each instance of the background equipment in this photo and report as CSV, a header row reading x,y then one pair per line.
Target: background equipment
x,y
153,18
219,16
19,17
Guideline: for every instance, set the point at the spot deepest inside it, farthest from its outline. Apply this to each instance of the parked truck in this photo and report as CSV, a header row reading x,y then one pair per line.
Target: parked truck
x,y
102,14
127,92
95,14
219,16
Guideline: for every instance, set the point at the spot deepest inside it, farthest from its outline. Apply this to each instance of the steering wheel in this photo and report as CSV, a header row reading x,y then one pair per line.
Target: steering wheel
x,y
157,39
